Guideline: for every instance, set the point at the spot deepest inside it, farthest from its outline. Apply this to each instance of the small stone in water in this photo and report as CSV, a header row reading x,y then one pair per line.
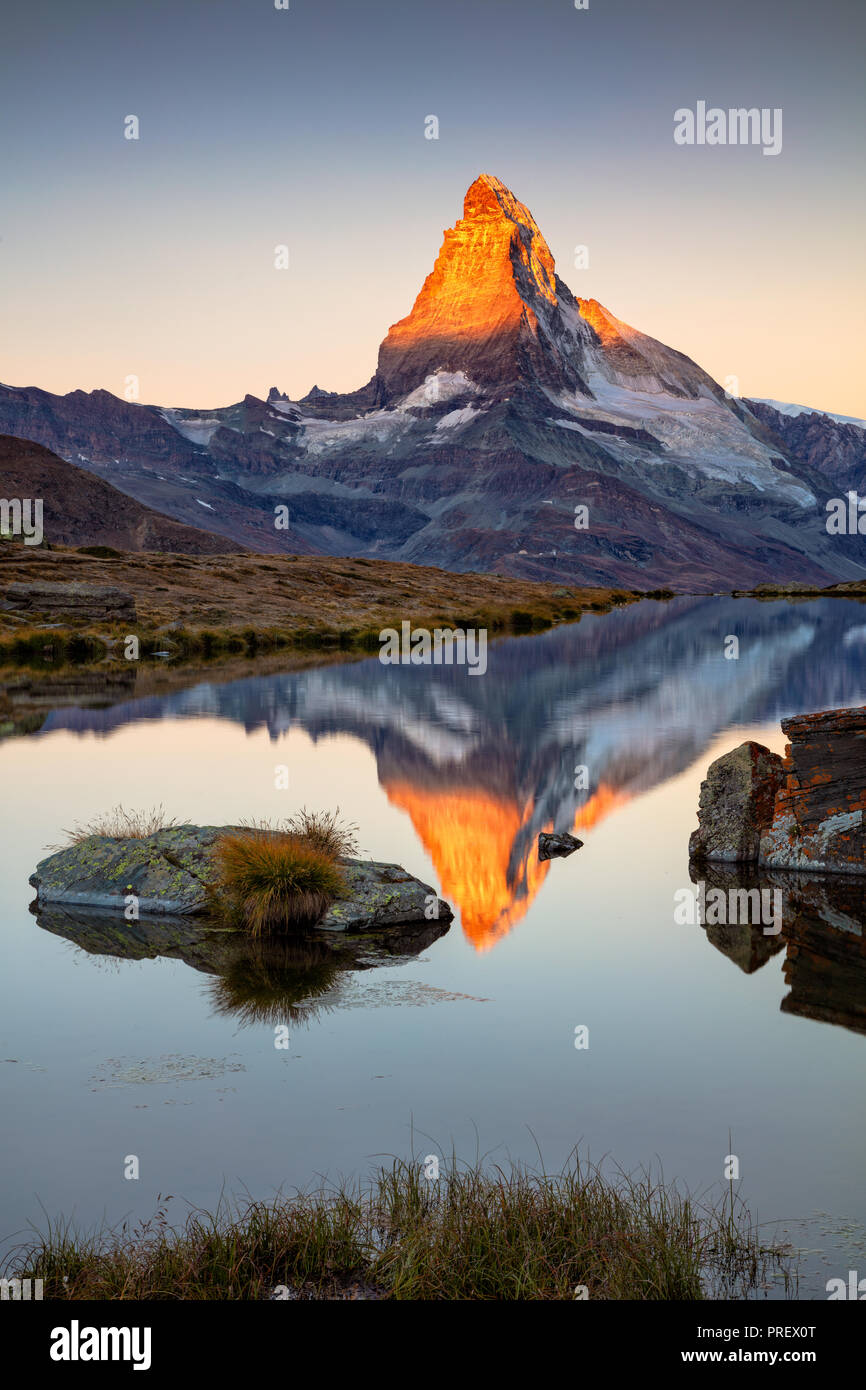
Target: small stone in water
x,y
557,846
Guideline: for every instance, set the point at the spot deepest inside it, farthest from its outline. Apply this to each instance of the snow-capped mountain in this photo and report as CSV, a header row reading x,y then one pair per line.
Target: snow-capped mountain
x,y
509,426
786,408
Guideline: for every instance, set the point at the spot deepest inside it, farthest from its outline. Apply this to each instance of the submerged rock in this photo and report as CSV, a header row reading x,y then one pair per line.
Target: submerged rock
x,y
174,872
214,950
740,936
275,979
825,963
736,804
557,846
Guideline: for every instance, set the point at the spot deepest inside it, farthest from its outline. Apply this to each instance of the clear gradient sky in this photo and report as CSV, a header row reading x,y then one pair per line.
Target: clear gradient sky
x,y
306,127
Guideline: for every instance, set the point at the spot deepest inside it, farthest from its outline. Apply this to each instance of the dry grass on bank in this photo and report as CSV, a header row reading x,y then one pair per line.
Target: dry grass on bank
x,y
299,597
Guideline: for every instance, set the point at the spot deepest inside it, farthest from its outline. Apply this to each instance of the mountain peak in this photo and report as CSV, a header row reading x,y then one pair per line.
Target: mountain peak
x,y
485,306
489,197
489,194
494,309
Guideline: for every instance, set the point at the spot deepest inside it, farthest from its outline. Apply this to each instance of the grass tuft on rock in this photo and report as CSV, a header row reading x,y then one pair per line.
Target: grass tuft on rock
x,y
120,824
270,881
324,831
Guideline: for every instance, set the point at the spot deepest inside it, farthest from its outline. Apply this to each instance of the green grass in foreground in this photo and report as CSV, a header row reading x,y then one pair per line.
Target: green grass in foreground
x,y
473,1234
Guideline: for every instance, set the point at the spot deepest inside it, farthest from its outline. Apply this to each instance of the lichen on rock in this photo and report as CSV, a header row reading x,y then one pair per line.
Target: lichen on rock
x,y
736,804
803,812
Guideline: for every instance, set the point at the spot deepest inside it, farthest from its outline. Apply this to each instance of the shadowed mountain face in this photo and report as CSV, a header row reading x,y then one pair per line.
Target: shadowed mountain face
x,y
482,766
500,405
833,446
79,509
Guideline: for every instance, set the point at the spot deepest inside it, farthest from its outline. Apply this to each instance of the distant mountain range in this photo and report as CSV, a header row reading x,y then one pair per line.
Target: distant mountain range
x,y
500,405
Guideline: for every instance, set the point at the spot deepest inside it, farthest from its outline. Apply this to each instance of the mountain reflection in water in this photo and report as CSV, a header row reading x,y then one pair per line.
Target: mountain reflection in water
x,y
481,766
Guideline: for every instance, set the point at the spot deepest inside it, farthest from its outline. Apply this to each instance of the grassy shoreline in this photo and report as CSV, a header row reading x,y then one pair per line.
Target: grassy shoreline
x,y
197,608
472,1233
202,610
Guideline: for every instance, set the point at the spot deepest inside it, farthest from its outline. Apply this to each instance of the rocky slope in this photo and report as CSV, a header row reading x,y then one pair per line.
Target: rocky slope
x,y
836,447
500,405
334,598
79,509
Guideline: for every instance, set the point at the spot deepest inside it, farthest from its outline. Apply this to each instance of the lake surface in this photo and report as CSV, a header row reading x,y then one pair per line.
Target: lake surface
x,y
469,1044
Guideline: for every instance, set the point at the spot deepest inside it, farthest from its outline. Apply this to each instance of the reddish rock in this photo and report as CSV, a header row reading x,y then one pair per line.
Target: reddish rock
x,y
818,820
805,812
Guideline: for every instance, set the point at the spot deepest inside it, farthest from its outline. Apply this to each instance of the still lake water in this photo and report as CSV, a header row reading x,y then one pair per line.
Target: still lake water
x,y
469,1044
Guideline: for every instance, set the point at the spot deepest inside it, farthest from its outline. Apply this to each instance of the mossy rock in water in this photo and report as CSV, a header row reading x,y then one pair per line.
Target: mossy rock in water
x,y
382,895
174,872
168,872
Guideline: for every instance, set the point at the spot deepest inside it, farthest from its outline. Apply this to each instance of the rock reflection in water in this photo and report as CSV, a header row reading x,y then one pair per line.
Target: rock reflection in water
x,y
269,980
823,935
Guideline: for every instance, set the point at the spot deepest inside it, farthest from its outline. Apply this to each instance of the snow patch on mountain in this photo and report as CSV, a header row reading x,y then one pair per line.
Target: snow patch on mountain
x,y
439,387
702,435
379,428
457,417
578,429
198,429
785,408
